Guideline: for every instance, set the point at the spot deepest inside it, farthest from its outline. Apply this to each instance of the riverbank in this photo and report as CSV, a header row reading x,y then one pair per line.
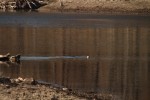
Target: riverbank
x,y
87,6
96,6
30,89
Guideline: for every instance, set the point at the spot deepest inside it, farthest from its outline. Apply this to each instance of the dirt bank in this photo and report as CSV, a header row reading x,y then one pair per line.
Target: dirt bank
x,y
30,89
98,6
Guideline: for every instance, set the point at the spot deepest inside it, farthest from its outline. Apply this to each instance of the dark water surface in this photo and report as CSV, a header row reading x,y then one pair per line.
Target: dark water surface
x,y
118,48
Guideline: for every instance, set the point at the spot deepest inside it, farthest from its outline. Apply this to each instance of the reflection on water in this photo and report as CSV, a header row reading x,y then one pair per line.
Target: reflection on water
x,y
117,46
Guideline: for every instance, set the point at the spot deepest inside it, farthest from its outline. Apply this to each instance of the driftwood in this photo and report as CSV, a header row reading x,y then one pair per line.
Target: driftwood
x,y
28,4
21,4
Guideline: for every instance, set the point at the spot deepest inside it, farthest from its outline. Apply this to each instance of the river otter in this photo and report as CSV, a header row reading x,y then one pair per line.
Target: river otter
x,y
9,58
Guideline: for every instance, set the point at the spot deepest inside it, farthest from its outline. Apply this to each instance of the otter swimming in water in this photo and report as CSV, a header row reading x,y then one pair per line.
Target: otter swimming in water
x,y
9,58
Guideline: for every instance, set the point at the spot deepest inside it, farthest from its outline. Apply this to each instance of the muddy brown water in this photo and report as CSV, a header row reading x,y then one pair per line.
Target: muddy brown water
x,y
118,47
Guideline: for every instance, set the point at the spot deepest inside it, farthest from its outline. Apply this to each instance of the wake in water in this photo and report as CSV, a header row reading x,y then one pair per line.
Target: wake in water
x,y
52,57
80,57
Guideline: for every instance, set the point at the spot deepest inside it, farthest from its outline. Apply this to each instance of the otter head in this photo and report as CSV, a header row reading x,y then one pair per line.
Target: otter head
x,y
15,59
12,59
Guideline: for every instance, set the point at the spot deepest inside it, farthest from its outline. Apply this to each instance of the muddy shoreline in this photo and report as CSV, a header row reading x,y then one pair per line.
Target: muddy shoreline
x,y
142,12
100,7
28,88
